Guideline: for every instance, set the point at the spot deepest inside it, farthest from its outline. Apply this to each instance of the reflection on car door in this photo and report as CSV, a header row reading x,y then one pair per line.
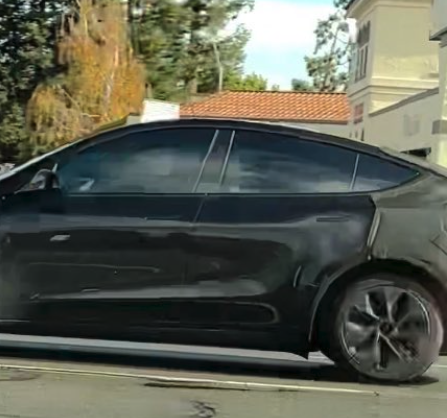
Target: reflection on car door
x,y
109,257
282,216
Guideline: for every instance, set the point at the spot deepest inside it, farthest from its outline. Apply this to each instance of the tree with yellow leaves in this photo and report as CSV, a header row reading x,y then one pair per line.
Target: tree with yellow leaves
x,y
102,80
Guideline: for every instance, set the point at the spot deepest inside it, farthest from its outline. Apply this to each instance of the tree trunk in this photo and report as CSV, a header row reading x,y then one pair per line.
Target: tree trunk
x,y
149,93
219,68
191,86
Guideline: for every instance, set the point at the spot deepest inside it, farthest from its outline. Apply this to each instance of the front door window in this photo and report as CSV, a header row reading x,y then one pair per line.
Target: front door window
x,y
153,162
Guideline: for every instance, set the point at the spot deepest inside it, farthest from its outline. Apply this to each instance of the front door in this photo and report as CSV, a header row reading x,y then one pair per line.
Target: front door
x,y
107,257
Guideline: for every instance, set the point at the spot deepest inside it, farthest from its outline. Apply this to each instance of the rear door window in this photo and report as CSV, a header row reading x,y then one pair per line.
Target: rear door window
x,y
262,162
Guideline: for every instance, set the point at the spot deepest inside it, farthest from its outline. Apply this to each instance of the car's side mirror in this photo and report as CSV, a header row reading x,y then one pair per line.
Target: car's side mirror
x,y
41,194
43,180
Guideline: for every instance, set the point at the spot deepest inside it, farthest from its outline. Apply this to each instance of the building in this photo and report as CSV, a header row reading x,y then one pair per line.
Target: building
x,y
397,92
324,112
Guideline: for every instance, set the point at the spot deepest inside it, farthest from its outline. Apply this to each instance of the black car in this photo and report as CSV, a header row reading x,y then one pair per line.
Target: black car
x,y
230,233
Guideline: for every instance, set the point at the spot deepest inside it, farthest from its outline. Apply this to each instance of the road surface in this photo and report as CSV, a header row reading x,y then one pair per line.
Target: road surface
x,y
176,382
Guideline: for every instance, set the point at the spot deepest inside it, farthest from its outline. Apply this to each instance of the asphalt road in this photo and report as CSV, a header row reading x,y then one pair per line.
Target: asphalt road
x,y
215,383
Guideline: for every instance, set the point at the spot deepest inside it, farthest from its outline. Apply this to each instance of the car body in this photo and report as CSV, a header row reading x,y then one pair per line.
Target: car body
x,y
214,232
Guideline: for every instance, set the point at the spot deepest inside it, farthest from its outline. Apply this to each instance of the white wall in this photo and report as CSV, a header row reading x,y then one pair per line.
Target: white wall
x,y
405,127
403,55
154,110
402,60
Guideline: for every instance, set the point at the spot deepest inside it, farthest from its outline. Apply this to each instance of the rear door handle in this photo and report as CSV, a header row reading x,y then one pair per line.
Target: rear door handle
x,y
163,218
60,238
334,218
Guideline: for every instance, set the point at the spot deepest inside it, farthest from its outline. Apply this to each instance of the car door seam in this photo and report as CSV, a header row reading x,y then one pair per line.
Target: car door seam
x,y
205,160
354,174
227,159
199,210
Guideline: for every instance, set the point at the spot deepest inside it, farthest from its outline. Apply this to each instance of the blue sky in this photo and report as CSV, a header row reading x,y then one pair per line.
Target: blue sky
x,y
281,35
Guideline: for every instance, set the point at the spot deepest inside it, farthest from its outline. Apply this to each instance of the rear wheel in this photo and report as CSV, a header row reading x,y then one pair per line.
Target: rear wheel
x,y
385,328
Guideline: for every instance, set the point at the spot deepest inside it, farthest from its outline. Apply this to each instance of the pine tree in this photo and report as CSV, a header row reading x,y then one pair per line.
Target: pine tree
x,y
184,48
328,66
222,66
27,38
208,47
159,38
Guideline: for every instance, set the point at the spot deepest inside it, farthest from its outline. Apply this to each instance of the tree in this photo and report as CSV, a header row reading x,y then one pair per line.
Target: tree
x,y
250,82
159,39
208,46
185,48
328,66
301,85
276,87
102,81
224,64
27,38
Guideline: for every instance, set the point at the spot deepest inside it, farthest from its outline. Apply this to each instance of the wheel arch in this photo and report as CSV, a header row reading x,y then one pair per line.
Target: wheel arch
x,y
402,267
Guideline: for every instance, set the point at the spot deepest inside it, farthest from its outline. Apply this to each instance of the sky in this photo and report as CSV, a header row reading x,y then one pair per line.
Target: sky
x,y
282,33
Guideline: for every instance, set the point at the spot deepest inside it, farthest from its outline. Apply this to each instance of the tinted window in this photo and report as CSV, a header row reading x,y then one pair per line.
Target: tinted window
x,y
212,171
267,163
376,174
165,161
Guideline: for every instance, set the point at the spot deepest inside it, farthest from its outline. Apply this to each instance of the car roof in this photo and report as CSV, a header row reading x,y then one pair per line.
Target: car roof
x,y
304,133
121,128
265,126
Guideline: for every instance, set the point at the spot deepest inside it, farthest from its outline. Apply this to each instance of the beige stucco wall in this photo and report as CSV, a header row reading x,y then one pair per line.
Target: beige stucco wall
x,y
404,57
403,64
405,127
402,61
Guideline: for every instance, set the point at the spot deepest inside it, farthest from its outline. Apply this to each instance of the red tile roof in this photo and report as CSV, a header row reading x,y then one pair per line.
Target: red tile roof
x,y
273,106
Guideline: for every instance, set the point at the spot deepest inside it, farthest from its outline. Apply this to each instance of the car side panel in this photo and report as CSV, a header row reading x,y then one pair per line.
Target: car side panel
x,y
409,229
258,262
102,263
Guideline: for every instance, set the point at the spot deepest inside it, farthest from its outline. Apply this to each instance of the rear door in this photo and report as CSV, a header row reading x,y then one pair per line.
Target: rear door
x,y
284,215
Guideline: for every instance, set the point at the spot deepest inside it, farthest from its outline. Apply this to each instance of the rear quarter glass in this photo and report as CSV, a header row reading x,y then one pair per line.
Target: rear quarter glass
x,y
417,164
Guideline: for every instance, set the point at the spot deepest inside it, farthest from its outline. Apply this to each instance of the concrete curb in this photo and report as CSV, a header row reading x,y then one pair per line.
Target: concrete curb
x,y
192,383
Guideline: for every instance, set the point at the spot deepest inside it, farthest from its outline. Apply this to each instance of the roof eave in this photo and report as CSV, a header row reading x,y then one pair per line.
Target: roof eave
x,y
312,121
438,36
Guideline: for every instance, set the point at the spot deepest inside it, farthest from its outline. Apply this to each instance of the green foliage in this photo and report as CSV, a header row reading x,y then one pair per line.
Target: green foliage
x,y
341,4
101,81
229,54
328,65
250,82
159,38
185,49
27,37
301,85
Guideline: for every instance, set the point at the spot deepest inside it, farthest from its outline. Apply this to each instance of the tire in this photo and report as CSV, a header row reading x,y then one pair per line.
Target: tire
x,y
385,328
